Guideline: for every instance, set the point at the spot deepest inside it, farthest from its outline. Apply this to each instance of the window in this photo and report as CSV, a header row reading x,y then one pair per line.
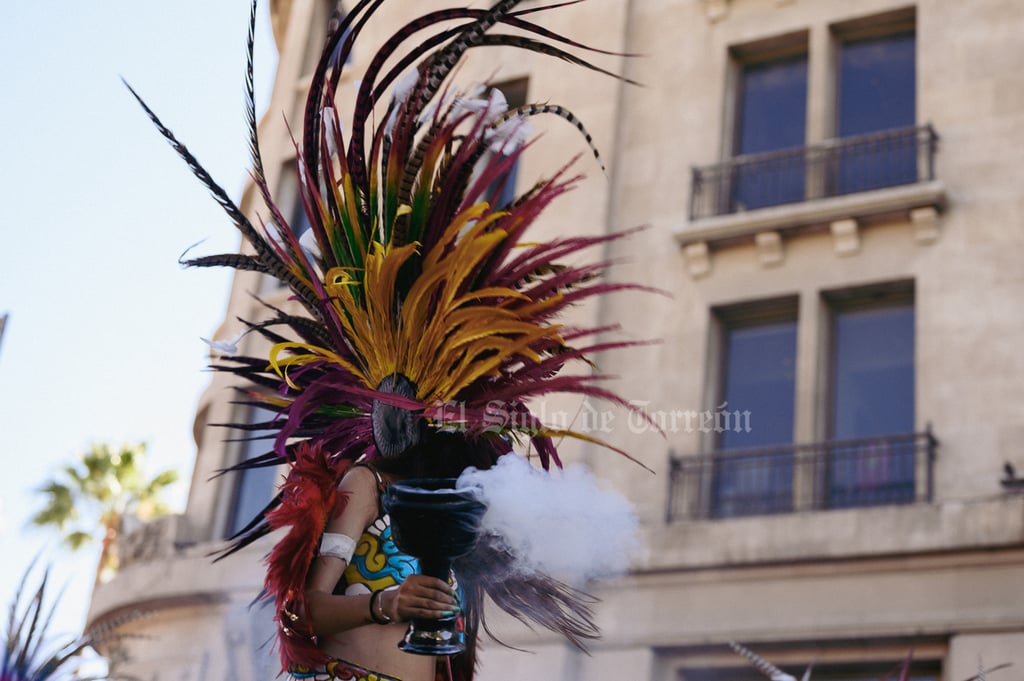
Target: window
x,y
327,16
504,188
875,99
872,396
869,452
337,14
773,105
876,84
771,116
758,377
924,670
253,487
292,208
862,135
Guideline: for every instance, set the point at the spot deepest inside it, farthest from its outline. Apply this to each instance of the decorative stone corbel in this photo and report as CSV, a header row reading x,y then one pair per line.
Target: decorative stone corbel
x,y
926,224
769,248
715,10
698,259
845,237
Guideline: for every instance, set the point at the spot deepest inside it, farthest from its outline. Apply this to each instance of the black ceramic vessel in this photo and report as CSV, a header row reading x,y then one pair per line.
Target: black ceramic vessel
x,y
435,523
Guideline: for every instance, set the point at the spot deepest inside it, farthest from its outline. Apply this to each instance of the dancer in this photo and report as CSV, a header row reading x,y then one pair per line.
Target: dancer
x,y
361,590
425,305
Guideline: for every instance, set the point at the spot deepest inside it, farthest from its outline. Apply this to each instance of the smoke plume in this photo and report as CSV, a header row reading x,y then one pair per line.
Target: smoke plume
x,y
563,523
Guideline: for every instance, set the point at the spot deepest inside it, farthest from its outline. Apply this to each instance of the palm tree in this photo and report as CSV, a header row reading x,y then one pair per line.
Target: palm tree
x,y
90,498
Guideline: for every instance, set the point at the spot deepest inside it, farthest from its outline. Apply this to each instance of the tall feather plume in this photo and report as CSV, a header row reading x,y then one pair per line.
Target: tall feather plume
x,y
264,251
258,174
347,30
443,61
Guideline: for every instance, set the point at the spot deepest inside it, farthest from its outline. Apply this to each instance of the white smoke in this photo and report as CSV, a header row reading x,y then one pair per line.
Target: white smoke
x,y
563,523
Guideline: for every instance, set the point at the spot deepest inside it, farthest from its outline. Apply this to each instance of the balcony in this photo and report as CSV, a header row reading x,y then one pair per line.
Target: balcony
x,y
861,177
877,471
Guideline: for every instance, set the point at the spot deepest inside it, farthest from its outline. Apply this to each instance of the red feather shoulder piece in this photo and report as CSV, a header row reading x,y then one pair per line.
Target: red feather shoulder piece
x,y
308,498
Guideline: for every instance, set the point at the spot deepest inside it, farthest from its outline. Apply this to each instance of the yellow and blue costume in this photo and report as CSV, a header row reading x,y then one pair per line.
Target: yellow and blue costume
x,y
377,563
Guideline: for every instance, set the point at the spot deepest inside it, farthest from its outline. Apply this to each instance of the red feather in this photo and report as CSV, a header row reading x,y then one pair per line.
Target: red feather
x,y
308,498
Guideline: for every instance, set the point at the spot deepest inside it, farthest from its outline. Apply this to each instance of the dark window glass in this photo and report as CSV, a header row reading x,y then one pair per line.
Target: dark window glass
x,y
771,116
759,377
337,15
876,94
295,214
773,106
876,84
300,218
333,14
508,186
254,487
757,392
503,189
873,392
292,208
872,397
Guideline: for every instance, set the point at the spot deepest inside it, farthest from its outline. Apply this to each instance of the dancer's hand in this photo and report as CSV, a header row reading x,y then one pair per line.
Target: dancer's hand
x,y
420,596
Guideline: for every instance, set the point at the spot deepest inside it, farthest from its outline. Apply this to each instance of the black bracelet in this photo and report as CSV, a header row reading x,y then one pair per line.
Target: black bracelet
x,y
377,613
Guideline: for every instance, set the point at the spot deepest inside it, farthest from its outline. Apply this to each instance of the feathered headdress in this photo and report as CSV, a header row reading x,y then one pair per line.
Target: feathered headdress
x,y
425,304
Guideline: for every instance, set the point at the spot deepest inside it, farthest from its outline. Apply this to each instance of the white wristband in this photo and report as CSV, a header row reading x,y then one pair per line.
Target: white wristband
x,y
337,545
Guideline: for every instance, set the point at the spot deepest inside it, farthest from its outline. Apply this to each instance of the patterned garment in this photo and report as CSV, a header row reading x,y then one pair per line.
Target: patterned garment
x,y
340,670
377,563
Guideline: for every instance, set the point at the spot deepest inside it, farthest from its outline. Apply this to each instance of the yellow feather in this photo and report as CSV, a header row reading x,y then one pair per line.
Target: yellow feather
x,y
315,353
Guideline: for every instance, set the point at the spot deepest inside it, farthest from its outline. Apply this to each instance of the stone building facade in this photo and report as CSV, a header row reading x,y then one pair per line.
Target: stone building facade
x,y
835,205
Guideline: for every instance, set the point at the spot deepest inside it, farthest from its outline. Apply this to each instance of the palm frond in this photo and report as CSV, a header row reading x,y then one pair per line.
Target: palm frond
x,y
31,652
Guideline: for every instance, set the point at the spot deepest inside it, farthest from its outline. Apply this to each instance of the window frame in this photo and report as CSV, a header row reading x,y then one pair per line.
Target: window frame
x,y
234,520
894,22
859,670
929,655
901,21
725,318
853,299
777,48
516,92
291,209
774,48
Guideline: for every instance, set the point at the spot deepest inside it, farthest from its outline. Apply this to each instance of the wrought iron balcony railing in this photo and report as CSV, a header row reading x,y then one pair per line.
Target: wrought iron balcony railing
x,y
832,168
877,471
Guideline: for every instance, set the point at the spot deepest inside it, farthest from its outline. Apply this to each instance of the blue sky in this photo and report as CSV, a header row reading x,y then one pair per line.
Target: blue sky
x,y
102,343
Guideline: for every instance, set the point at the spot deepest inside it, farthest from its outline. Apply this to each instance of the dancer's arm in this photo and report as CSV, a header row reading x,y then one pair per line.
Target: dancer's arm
x,y
329,613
